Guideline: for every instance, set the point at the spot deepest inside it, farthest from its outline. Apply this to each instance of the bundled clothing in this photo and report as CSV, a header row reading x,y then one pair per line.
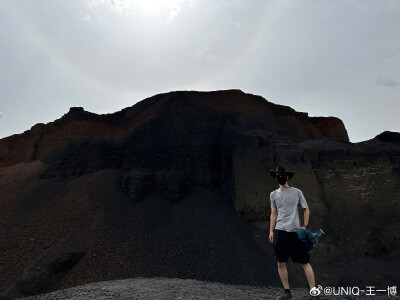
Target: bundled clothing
x,y
309,237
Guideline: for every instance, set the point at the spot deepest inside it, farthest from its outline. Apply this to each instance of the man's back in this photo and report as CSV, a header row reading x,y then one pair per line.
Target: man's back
x,y
287,201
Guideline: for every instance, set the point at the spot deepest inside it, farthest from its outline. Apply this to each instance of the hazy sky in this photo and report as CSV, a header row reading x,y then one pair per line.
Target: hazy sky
x,y
326,58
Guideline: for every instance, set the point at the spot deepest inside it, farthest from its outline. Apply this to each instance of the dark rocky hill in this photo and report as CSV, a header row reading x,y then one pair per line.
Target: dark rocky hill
x,y
178,186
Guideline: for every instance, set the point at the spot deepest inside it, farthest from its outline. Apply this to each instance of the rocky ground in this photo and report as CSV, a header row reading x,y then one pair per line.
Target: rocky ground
x,y
176,288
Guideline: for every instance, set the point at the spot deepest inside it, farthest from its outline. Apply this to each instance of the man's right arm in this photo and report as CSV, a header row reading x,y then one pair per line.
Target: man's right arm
x,y
274,215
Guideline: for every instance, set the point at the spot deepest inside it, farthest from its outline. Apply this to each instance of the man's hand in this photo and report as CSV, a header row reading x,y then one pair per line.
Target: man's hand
x,y
301,228
271,236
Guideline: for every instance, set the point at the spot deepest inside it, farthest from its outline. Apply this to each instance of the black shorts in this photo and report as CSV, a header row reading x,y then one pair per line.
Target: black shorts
x,y
288,244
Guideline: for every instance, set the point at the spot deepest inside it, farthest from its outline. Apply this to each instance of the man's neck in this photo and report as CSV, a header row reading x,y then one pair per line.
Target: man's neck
x,y
283,187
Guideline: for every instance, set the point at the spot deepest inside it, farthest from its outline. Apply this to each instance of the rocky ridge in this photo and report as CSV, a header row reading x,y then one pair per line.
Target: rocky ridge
x,y
177,185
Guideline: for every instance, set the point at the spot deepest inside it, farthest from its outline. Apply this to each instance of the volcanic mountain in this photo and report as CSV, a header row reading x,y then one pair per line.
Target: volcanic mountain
x,y
178,186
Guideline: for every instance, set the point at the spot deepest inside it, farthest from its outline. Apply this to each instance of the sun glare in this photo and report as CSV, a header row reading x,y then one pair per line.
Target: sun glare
x,y
147,6
153,4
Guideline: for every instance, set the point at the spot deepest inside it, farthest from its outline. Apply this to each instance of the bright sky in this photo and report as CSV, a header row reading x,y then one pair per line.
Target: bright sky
x,y
326,58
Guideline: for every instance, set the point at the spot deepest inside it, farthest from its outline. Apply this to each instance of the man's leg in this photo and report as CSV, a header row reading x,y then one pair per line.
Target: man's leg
x,y
283,274
309,274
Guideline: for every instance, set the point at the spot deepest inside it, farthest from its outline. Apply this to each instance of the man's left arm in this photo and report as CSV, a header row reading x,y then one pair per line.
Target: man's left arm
x,y
306,212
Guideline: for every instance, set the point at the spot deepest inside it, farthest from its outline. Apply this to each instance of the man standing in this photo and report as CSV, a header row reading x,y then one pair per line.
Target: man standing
x,y
283,228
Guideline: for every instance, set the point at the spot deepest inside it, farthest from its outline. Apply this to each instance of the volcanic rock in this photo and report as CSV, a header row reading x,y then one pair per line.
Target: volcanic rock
x,y
177,185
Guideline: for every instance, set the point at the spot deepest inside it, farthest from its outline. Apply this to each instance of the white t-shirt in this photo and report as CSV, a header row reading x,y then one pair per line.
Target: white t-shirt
x,y
287,202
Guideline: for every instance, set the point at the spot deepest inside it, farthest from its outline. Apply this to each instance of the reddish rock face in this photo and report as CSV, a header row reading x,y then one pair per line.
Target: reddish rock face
x,y
178,186
177,111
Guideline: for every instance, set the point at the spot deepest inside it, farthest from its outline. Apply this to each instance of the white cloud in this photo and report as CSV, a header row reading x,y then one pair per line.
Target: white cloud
x,y
116,5
87,18
129,7
174,9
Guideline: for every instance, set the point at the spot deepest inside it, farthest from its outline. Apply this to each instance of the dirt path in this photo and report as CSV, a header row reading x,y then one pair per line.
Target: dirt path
x,y
175,288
